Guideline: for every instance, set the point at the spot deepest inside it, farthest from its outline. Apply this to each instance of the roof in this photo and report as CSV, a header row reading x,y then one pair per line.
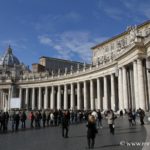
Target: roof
x,y
62,60
119,35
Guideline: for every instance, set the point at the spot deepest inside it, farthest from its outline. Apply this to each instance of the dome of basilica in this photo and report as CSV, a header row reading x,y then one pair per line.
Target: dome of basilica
x,y
9,59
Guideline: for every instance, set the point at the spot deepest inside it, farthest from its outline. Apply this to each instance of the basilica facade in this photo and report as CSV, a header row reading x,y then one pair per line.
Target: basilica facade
x,y
118,78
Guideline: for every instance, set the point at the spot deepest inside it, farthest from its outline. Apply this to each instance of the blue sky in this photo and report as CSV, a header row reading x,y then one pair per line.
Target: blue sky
x,y
64,29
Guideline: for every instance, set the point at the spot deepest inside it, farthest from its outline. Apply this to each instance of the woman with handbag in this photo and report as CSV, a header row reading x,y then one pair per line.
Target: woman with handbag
x,y
91,131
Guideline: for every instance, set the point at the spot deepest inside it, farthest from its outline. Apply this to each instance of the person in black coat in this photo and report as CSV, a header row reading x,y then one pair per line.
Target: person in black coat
x,y
3,121
65,125
17,119
23,120
6,120
44,118
141,115
32,118
91,131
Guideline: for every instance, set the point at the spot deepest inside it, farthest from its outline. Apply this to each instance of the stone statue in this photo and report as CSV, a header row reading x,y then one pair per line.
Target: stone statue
x,y
65,70
133,33
71,68
78,66
58,71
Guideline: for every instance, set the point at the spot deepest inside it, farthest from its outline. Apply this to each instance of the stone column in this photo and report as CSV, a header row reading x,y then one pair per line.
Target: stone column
x,y
33,98
46,98
9,98
40,98
113,104
136,91
52,98
120,90
141,84
65,97
78,96
148,80
105,94
27,98
59,97
72,96
98,94
91,94
20,96
131,89
4,102
125,92
85,96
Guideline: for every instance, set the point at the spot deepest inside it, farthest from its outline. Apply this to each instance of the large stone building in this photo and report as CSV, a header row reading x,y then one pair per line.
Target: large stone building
x,y
56,65
119,78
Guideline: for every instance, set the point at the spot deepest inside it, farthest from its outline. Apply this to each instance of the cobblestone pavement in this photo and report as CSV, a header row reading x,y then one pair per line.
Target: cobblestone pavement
x,y
50,138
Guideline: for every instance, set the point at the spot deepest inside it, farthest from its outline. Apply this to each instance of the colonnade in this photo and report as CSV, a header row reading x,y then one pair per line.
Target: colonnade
x,y
82,95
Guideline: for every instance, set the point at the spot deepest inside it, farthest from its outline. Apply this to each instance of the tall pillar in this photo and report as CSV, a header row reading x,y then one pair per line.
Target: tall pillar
x,y
105,94
33,98
40,98
113,104
148,81
65,97
46,98
120,90
4,102
59,97
125,90
91,94
52,98
27,98
9,98
78,96
141,85
85,96
136,91
131,89
20,96
98,94
72,96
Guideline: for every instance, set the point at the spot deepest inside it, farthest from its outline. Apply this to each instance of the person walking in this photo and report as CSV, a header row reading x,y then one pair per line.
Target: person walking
x,y
65,124
6,120
17,119
111,117
91,131
23,118
134,114
32,117
121,113
44,118
99,119
130,117
141,115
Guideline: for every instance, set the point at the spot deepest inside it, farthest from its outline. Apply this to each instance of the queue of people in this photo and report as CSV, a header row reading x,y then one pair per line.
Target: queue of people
x,y
65,118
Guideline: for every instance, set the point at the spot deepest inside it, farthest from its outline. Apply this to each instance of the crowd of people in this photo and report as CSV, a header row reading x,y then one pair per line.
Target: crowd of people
x,y
65,118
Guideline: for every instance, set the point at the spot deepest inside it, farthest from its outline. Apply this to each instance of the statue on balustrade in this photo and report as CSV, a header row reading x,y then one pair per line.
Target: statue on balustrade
x,y
133,33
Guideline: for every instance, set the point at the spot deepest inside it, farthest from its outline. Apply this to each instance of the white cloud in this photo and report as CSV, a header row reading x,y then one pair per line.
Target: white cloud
x,y
71,45
44,39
